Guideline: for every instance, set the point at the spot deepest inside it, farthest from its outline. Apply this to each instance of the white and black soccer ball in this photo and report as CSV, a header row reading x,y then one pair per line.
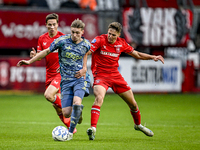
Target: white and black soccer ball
x,y
60,133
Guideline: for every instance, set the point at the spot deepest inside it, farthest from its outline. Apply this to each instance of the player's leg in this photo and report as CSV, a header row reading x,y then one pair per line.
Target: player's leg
x,y
75,115
80,89
99,93
128,97
52,94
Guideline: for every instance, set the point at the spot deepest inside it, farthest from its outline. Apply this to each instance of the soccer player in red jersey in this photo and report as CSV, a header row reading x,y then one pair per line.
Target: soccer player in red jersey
x,y
105,50
53,78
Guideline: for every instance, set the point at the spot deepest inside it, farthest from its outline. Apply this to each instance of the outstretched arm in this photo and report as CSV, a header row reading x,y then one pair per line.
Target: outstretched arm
x,y
143,56
83,71
39,56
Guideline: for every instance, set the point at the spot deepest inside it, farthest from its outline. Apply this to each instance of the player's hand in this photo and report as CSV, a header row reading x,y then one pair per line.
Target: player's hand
x,y
23,62
33,52
81,73
159,57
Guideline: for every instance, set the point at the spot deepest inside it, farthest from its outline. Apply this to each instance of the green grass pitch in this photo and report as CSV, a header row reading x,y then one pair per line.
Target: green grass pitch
x,y
26,123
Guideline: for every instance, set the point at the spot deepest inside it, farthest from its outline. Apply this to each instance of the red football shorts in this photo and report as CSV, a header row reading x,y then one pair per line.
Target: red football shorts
x,y
114,81
54,82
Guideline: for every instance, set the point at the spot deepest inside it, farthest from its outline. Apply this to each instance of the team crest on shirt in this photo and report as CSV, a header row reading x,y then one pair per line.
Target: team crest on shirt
x,y
44,43
118,48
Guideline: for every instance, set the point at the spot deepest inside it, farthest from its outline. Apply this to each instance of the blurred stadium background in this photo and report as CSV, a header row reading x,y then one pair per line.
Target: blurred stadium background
x,y
170,28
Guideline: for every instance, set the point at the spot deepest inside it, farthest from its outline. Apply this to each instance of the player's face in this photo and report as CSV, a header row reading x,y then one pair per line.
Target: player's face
x,y
112,35
76,34
52,27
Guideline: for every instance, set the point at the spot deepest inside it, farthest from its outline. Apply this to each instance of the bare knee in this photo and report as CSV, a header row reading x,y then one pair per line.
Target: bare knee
x,y
50,97
67,111
133,105
98,100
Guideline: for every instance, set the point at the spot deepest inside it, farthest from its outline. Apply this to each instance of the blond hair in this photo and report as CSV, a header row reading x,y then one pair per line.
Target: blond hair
x,y
78,24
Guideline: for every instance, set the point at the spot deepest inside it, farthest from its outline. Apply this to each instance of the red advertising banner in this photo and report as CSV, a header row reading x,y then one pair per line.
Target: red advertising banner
x,y
28,78
157,26
21,29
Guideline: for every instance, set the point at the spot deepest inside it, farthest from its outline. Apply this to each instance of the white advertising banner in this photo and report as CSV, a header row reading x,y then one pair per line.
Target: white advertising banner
x,y
150,76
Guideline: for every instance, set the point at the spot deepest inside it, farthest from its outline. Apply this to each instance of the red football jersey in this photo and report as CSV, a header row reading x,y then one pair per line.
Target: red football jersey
x,y
106,55
52,61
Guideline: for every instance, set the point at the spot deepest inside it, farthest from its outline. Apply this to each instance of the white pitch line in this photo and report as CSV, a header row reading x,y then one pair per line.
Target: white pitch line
x,y
103,124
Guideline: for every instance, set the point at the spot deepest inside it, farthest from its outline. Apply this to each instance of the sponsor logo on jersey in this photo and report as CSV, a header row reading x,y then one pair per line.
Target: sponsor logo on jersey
x,y
117,45
109,53
44,43
93,41
73,56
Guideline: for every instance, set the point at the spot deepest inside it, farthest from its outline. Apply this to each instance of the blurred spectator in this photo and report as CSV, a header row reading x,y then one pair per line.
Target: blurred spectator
x,y
185,4
70,4
1,2
133,3
14,2
108,5
54,4
197,38
91,4
38,3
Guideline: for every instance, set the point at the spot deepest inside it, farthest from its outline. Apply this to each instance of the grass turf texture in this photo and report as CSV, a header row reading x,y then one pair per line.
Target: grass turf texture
x,y
26,122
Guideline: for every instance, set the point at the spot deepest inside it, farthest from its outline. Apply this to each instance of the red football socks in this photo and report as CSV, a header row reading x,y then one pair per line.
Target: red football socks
x,y
95,112
57,101
66,121
136,116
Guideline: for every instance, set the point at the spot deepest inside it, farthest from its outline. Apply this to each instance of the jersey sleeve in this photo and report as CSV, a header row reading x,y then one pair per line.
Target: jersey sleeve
x,y
39,45
127,47
88,45
95,44
56,44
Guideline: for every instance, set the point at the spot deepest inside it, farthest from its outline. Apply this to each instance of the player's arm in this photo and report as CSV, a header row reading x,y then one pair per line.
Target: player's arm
x,y
83,71
143,56
39,56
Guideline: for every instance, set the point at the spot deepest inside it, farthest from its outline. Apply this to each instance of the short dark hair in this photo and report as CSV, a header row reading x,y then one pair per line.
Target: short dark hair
x,y
52,16
115,25
78,24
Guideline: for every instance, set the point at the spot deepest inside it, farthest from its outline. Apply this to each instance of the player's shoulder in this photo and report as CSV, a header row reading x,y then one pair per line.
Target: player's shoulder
x,y
45,35
60,33
99,38
122,40
86,41
63,37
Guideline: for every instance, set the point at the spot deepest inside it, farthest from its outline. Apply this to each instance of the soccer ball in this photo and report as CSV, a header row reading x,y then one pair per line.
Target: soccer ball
x,y
60,133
